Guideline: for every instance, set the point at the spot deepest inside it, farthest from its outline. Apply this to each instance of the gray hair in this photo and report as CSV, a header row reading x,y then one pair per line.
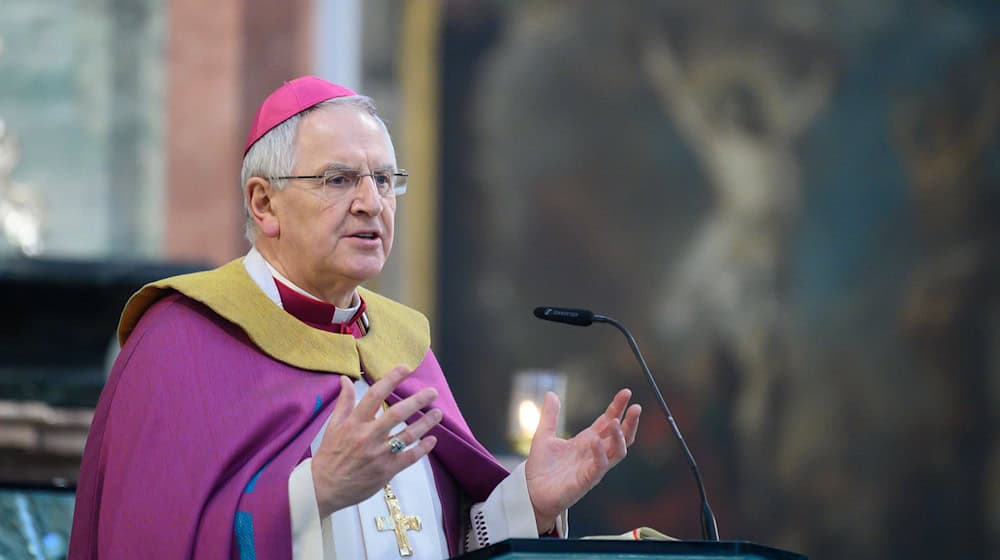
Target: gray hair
x,y
273,155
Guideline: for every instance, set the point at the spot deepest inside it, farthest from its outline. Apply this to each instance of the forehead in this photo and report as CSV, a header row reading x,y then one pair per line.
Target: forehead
x,y
342,134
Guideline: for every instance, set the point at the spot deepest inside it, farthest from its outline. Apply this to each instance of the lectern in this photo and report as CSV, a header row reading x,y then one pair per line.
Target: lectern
x,y
576,549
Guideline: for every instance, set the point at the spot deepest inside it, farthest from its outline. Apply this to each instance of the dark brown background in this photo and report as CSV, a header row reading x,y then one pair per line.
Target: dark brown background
x,y
794,207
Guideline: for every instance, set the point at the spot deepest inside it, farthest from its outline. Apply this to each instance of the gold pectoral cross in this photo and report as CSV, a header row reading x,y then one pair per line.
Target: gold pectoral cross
x,y
397,522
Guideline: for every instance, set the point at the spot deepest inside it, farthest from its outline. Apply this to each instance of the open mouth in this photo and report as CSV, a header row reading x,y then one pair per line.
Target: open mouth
x,y
366,235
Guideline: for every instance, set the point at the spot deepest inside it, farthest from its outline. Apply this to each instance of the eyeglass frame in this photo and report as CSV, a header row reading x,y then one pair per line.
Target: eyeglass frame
x,y
396,191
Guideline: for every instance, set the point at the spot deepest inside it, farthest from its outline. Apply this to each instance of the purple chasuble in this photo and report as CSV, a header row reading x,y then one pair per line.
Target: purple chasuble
x,y
319,314
197,431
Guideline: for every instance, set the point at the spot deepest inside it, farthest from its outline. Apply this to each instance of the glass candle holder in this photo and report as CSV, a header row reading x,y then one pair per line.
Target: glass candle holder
x,y
527,393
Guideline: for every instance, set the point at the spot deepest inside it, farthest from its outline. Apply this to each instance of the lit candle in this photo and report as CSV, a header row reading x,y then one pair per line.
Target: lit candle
x,y
527,394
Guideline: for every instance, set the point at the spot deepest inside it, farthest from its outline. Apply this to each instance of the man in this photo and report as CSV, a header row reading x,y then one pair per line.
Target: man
x,y
273,408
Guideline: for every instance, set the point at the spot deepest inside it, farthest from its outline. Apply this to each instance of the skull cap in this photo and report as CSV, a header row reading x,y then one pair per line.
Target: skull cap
x,y
289,100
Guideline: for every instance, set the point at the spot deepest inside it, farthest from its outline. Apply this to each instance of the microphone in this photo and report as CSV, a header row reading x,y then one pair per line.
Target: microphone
x,y
584,318
578,317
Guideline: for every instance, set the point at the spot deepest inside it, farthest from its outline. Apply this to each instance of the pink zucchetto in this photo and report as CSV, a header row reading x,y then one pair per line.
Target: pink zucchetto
x,y
289,100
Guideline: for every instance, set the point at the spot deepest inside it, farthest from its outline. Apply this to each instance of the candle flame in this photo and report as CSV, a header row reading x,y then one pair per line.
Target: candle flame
x,y
528,415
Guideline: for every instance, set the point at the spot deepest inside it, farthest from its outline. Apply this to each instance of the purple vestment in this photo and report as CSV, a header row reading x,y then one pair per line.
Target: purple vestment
x,y
196,434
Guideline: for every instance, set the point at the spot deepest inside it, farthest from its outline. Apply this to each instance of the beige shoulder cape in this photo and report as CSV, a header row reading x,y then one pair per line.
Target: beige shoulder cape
x,y
398,335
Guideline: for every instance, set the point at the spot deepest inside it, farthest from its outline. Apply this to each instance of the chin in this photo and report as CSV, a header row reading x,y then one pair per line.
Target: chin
x,y
362,274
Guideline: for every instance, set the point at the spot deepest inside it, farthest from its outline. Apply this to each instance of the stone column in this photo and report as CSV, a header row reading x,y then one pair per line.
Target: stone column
x,y
222,62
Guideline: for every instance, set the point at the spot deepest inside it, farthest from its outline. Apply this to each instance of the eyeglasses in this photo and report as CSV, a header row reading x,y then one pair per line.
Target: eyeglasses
x,y
336,183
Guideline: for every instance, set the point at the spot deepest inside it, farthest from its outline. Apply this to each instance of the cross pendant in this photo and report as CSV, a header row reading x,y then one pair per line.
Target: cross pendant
x,y
397,522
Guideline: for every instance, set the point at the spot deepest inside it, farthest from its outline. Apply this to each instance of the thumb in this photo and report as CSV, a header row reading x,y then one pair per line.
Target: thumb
x,y
549,416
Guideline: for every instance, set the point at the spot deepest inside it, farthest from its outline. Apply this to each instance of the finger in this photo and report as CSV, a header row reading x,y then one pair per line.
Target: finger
x,y
608,427
406,458
616,444
631,423
345,401
405,408
549,416
600,453
618,404
613,412
381,389
416,430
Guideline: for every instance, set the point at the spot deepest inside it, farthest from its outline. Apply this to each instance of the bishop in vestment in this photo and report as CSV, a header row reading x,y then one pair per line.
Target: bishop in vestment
x,y
274,408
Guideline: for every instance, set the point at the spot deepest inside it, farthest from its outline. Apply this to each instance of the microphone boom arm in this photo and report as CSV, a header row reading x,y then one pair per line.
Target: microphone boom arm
x,y
709,527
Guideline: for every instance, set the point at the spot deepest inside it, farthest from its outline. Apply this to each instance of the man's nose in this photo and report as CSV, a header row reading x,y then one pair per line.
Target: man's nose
x,y
367,200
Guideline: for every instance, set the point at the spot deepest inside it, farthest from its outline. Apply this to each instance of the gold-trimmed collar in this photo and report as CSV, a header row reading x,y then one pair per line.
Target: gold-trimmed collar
x,y
398,335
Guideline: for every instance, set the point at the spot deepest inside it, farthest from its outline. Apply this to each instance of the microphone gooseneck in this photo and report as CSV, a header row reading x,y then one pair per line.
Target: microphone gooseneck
x,y
583,318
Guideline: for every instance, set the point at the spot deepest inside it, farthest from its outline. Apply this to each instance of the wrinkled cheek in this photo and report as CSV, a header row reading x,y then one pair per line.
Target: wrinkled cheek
x,y
389,226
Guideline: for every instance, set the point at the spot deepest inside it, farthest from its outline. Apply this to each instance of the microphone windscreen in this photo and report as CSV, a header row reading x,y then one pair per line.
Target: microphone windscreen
x,y
578,317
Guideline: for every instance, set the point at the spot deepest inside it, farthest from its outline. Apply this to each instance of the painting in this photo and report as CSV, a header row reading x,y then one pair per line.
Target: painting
x,y
793,207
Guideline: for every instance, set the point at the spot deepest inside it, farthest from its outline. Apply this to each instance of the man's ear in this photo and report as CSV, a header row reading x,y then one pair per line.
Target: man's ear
x,y
258,193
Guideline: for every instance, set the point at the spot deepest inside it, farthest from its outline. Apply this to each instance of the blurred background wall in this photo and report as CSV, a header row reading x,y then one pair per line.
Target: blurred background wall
x,y
791,203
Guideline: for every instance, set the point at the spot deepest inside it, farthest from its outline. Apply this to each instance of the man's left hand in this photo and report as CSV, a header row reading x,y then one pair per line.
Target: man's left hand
x,y
561,471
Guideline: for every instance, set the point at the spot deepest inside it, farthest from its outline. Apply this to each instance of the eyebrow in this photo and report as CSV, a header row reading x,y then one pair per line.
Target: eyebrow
x,y
341,167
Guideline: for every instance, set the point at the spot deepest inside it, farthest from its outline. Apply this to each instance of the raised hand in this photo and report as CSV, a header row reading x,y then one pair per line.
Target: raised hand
x,y
354,460
561,471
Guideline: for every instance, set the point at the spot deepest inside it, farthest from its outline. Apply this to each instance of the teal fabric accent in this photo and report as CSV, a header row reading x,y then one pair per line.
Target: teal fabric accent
x,y
244,535
253,480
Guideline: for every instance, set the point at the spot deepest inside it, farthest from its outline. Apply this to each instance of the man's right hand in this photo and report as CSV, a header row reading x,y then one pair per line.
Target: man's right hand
x,y
354,460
